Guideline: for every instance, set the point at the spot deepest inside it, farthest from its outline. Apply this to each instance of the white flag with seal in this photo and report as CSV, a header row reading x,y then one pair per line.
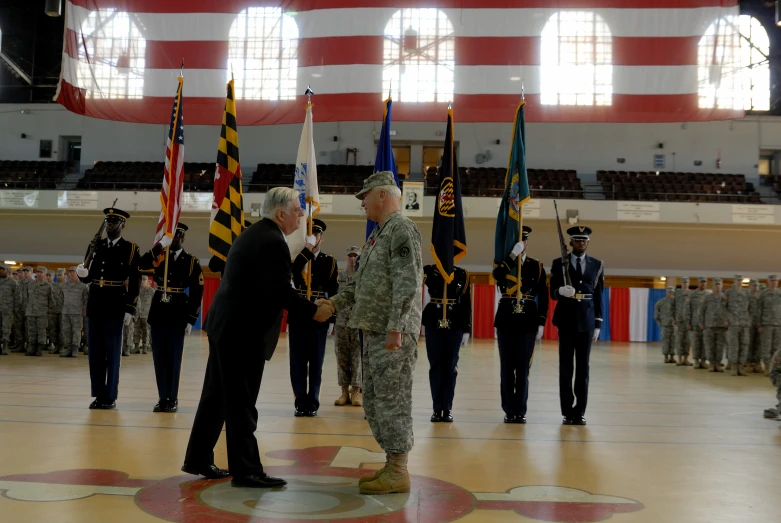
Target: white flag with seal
x,y
305,182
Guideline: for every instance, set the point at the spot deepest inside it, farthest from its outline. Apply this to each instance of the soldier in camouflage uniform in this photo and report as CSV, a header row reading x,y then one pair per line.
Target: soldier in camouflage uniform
x,y
713,319
664,314
74,309
9,302
127,337
770,320
348,343
692,306
55,315
20,317
738,302
775,379
386,296
753,363
141,329
681,342
39,303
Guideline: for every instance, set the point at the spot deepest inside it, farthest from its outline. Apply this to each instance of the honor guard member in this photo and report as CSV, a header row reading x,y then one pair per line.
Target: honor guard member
x,y
9,302
738,337
681,341
444,337
306,336
141,331
692,307
770,321
112,274
173,312
519,324
348,343
39,303
74,309
20,315
713,319
55,315
664,314
578,317
752,362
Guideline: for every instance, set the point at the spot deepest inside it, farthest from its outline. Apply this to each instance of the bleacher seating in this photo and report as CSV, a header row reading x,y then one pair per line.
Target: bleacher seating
x,y
144,176
775,181
331,179
676,187
15,174
489,181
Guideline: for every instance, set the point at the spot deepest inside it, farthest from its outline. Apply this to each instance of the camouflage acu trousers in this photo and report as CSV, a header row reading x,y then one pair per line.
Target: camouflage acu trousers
x,y
127,336
348,356
695,339
20,329
667,340
6,321
141,334
715,341
737,343
775,376
387,390
53,330
36,329
771,341
681,340
754,348
71,329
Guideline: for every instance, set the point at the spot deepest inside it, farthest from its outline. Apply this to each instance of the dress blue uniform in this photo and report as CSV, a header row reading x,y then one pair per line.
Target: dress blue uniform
x,y
113,292
169,319
576,318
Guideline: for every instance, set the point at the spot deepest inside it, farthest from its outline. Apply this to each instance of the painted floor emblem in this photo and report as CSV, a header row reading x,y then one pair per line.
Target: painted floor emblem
x,y
322,485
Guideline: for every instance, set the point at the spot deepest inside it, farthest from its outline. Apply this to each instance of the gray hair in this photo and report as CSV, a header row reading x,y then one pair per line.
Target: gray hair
x,y
392,190
278,198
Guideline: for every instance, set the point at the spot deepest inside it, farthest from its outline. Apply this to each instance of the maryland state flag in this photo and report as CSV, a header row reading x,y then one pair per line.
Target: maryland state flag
x,y
448,237
516,193
228,203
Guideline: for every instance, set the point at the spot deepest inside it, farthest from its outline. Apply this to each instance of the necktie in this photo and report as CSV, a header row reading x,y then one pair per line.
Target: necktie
x,y
577,268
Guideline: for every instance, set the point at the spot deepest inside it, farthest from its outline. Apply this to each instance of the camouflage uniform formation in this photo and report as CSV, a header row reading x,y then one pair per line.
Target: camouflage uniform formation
x,y
348,349
664,314
738,300
681,342
714,317
770,322
9,302
141,328
39,303
692,307
20,317
55,315
74,308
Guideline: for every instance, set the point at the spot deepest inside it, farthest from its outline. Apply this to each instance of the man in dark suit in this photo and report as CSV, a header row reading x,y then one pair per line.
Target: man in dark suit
x,y
173,312
243,325
578,317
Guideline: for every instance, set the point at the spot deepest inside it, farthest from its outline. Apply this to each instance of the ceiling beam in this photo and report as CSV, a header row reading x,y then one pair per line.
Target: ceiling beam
x,y
18,70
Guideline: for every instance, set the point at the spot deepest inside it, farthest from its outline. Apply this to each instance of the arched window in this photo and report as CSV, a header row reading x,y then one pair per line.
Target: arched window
x,y
734,71
112,56
419,56
263,53
577,60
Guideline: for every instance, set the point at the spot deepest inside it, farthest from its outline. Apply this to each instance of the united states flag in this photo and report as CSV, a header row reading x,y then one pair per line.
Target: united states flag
x,y
173,176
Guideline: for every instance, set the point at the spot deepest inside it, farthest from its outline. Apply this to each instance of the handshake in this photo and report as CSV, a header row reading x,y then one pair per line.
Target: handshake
x,y
325,309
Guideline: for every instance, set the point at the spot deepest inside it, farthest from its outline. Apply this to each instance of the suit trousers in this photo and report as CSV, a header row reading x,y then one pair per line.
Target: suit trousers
x,y
574,354
230,391
307,352
168,345
104,338
516,349
442,348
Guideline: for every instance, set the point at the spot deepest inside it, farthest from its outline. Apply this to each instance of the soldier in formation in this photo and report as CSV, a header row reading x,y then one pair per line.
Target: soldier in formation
x,y
681,341
39,302
141,340
770,321
9,302
128,345
348,343
74,309
738,303
692,307
20,316
55,315
753,362
664,315
713,319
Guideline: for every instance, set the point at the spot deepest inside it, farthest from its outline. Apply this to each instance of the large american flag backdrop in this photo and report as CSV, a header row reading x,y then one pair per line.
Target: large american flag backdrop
x,y
576,60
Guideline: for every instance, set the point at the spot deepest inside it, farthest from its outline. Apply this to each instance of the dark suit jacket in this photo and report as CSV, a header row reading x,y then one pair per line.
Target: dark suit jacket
x,y
255,288
571,314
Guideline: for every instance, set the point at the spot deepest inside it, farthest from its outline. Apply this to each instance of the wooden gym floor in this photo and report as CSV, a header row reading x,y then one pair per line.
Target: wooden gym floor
x,y
664,444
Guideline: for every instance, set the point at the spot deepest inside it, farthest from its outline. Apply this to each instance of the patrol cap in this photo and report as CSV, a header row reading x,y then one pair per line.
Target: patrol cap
x,y
526,232
685,278
26,268
61,271
318,226
4,266
353,250
379,179
716,281
753,281
116,213
51,273
579,233
773,277
41,269
670,288
763,286
72,269
702,279
181,227
739,277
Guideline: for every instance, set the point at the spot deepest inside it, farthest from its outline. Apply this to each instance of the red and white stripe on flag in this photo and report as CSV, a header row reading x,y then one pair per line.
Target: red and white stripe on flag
x,y
173,175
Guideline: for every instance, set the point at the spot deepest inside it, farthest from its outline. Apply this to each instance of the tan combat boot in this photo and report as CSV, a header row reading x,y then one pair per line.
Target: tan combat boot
x,y
729,365
377,473
684,361
344,399
394,480
356,397
742,371
735,368
701,364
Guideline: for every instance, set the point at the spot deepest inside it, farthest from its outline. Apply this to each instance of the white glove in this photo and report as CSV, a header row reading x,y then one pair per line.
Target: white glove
x,y
518,249
465,339
82,271
165,241
330,328
188,329
567,291
128,318
540,330
596,335
311,240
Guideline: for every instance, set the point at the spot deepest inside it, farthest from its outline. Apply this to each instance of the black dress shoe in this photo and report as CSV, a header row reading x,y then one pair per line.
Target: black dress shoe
x,y
95,404
258,481
108,405
159,406
311,414
447,416
509,418
300,413
436,417
521,420
579,420
171,406
567,421
208,472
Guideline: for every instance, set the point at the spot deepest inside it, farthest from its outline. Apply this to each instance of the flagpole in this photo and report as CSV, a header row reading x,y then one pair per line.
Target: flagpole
x,y
165,298
519,260
309,94
445,323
